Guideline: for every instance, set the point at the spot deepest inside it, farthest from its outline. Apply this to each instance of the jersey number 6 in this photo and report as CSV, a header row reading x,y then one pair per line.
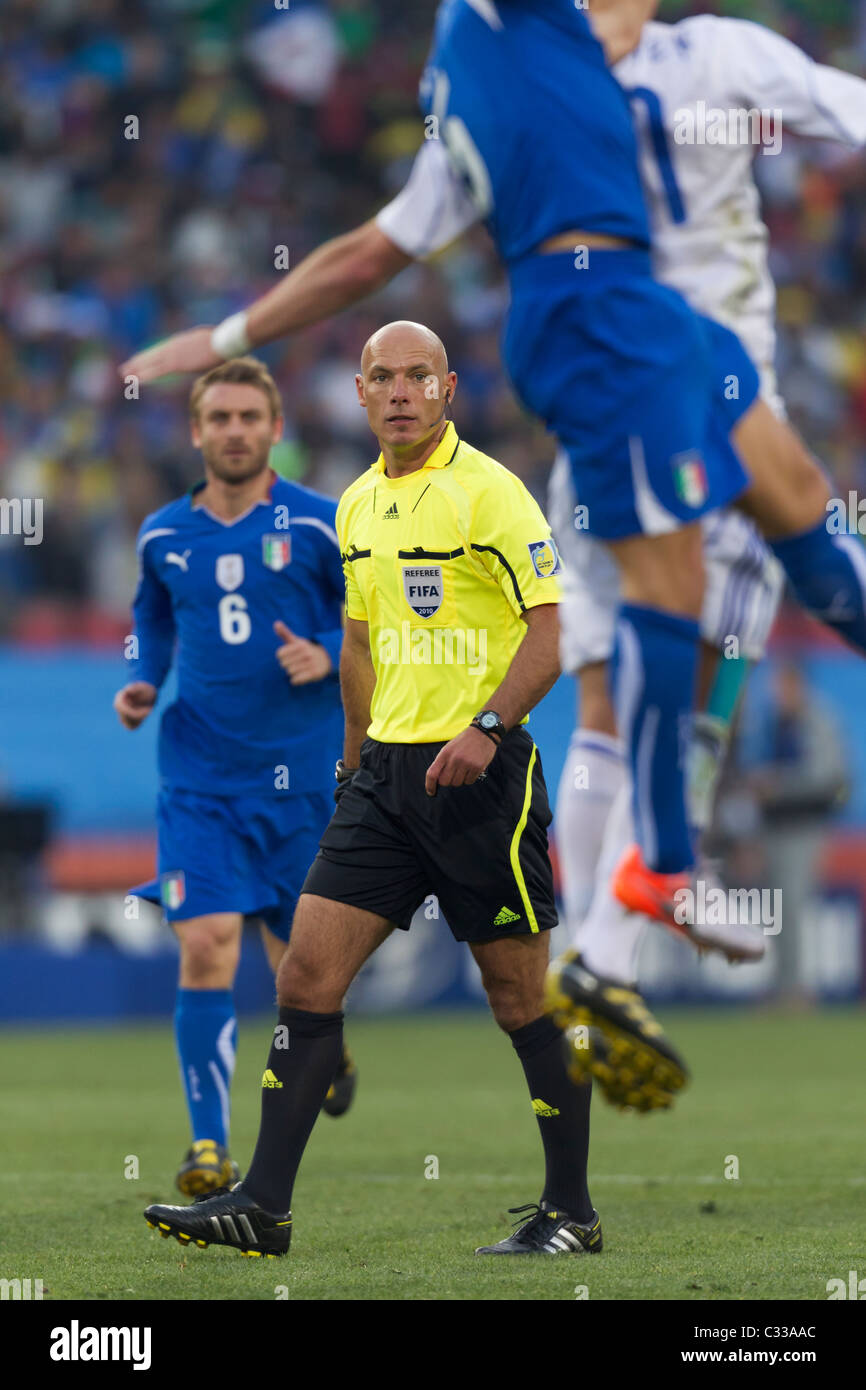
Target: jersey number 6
x,y
235,625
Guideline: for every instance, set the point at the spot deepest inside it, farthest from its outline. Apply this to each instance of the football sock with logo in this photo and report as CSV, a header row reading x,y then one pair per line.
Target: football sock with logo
x,y
562,1112
828,576
301,1064
653,674
594,771
205,1030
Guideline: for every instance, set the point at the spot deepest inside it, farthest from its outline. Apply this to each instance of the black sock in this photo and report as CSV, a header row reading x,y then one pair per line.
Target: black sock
x,y
301,1066
562,1112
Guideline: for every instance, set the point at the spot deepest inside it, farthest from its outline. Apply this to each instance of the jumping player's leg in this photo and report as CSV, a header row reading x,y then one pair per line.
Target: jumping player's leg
x,y
788,499
595,764
653,674
593,772
609,936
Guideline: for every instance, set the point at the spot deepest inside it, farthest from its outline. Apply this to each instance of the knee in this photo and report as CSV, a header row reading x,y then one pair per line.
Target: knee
x,y
302,983
513,1003
209,955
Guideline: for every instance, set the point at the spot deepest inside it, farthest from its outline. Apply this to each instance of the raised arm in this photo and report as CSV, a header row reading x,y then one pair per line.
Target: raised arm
x,y
429,212
756,67
331,278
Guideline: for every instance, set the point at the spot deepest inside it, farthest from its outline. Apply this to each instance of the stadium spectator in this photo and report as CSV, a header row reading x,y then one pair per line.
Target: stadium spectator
x,y
108,240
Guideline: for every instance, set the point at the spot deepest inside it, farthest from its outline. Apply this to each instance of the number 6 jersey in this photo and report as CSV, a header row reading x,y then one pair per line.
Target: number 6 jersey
x,y
208,595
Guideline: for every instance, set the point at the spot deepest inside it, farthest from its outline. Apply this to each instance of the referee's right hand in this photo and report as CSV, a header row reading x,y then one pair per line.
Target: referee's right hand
x,y
134,703
461,761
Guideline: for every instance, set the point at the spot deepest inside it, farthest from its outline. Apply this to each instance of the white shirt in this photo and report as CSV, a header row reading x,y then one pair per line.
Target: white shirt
x,y
717,255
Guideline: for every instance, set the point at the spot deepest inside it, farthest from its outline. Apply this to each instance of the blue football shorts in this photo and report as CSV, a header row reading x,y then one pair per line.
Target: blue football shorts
x,y
247,854
628,378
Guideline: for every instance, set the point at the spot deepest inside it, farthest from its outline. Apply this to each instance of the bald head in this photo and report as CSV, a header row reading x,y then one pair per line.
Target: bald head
x,y
404,339
405,387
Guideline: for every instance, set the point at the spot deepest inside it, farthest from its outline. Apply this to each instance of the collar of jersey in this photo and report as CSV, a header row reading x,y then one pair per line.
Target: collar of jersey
x,y
205,511
440,458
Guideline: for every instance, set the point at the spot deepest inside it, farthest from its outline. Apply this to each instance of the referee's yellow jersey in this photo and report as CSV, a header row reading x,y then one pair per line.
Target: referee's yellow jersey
x,y
441,563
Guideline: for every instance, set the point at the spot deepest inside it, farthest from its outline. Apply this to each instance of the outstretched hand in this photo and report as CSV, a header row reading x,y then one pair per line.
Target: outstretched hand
x,y
182,352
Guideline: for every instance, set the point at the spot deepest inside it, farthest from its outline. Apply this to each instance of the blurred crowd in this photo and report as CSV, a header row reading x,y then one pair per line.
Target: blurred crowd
x,y
159,162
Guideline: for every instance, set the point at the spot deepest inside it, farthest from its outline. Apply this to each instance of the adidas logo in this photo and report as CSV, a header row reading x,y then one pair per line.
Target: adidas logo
x,y
270,1081
544,1111
505,915
391,512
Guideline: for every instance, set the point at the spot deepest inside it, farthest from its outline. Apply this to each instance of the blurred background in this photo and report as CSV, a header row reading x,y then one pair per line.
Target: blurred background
x,y
257,132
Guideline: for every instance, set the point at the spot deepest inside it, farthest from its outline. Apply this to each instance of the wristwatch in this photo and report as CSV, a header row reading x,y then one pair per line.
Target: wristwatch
x,y
489,723
343,773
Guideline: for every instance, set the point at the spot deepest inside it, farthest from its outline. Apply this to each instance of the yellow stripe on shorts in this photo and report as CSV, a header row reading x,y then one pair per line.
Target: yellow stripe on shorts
x,y
515,845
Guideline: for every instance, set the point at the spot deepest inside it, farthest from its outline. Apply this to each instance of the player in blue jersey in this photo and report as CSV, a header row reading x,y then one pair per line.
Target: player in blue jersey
x,y
529,130
241,585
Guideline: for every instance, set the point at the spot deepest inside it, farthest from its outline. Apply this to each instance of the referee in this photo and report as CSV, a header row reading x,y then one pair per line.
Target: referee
x,y
451,638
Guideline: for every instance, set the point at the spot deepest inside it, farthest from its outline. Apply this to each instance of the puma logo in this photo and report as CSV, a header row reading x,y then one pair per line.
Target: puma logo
x,y
172,558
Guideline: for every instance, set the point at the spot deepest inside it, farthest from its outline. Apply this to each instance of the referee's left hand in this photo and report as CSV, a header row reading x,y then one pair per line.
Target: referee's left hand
x,y
303,661
460,762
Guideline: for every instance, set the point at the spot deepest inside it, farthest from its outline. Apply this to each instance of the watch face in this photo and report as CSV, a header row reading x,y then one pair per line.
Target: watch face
x,y
489,720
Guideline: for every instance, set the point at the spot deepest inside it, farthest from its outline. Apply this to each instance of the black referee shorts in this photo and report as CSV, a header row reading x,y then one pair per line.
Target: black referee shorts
x,y
481,849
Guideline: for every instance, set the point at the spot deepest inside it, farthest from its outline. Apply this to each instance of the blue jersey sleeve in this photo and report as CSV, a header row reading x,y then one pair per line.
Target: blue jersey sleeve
x,y
153,625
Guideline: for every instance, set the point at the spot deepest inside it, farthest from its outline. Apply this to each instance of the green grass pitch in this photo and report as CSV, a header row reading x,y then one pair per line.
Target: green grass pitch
x,y
783,1095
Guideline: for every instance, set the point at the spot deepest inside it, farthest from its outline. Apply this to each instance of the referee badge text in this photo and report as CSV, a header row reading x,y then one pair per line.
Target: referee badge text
x,y
423,589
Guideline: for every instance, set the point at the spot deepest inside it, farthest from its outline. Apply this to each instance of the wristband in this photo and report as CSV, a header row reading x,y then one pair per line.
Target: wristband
x,y
229,338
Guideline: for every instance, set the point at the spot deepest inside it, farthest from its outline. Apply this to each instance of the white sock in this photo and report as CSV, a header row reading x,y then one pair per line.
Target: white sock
x,y
707,751
610,935
592,776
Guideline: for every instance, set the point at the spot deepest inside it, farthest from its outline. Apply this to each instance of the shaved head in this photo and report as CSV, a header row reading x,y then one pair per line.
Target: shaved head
x,y
406,388
405,338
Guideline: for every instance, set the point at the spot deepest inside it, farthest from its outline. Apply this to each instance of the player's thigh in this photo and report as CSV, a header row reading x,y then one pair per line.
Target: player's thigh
x,y
329,943
589,581
744,585
513,970
664,572
210,946
788,491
